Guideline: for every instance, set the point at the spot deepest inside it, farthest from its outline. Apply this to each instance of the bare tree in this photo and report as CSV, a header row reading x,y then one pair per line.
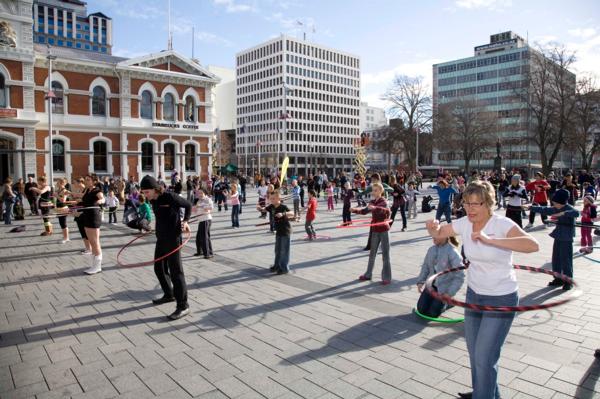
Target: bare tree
x,y
410,102
549,92
582,137
465,127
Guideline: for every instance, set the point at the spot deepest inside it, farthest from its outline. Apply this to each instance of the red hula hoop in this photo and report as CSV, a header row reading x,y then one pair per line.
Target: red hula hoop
x,y
358,224
141,264
487,308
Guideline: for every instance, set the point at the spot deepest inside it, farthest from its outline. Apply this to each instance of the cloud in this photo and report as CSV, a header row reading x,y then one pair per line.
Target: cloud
x,y
127,53
582,32
211,38
233,6
134,9
492,5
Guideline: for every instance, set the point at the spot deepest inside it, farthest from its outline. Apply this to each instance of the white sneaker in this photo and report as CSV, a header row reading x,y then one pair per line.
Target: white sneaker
x,y
65,241
96,266
86,252
529,226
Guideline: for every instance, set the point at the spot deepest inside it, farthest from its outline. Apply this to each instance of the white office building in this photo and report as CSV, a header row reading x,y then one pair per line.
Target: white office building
x,y
321,101
371,117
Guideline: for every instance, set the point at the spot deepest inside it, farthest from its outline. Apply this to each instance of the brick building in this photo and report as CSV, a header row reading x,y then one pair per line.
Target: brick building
x,y
111,115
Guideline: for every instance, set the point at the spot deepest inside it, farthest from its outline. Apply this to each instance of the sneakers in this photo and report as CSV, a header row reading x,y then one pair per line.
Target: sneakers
x,y
530,225
86,252
161,300
556,283
96,266
386,282
64,241
364,278
179,313
567,287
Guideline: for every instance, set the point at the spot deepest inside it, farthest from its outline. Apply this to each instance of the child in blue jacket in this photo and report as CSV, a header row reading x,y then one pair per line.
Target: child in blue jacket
x,y
564,216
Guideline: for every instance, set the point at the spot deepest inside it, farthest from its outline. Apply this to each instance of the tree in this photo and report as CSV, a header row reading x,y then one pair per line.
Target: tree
x,y
549,93
410,102
389,140
582,137
464,127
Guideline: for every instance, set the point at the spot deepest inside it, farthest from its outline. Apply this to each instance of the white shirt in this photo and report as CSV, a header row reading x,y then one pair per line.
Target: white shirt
x,y
491,270
262,191
204,208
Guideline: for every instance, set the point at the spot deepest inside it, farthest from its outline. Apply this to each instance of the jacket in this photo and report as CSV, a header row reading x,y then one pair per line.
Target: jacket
x,y
379,215
565,224
438,259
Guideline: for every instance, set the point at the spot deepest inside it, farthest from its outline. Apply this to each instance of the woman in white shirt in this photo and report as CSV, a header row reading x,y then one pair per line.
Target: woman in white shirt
x,y
489,241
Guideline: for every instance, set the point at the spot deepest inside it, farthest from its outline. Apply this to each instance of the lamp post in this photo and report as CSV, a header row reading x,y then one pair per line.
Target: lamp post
x,y
286,90
49,97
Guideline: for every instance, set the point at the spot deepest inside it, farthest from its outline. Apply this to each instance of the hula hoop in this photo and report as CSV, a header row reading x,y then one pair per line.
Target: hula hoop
x,y
318,237
356,225
487,308
438,319
589,257
141,264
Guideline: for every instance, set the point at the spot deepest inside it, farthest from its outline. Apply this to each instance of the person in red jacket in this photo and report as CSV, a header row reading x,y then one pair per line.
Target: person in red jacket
x,y
538,188
311,214
380,227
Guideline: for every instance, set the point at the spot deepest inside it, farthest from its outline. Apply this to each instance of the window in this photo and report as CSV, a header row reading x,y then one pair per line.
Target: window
x,y
58,155
146,105
57,101
50,40
41,39
190,158
99,101
169,108
147,157
3,93
169,156
190,109
100,156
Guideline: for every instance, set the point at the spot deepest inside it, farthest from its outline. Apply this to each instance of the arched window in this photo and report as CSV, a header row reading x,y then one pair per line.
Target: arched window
x,y
190,115
147,156
190,158
146,106
100,156
57,102
3,93
58,155
169,107
169,157
99,101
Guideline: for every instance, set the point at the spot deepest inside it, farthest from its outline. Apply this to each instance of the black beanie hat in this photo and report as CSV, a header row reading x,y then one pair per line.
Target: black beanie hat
x,y
561,196
149,183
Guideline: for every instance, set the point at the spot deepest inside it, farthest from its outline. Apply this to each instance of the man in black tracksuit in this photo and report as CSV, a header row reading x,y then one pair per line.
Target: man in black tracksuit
x,y
166,207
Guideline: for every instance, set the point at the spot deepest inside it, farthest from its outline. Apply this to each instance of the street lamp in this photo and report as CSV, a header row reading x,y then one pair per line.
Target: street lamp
x,y
49,97
286,90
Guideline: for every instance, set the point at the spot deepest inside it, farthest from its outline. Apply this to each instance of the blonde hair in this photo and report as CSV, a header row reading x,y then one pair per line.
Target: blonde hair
x,y
484,190
377,185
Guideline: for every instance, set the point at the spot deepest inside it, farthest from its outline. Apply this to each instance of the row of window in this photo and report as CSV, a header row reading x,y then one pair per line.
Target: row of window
x,y
277,70
261,52
295,136
297,148
100,156
294,59
300,115
69,43
305,127
326,77
515,56
499,73
457,156
311,84
260,64
259,86
484,89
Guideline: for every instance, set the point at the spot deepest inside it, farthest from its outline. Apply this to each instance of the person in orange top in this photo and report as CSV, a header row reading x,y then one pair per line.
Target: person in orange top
x,y
539,188
311,215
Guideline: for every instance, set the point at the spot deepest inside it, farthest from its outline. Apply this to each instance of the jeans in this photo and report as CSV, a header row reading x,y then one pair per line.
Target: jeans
x,y
445,210
485,333
562,257
384,239
235,216
8,209
402,213
282,252
310,230
429,306
412,209
297,208
203,243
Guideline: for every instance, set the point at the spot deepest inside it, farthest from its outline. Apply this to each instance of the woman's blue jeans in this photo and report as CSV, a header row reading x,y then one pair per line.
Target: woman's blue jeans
x,y
485,333
444,209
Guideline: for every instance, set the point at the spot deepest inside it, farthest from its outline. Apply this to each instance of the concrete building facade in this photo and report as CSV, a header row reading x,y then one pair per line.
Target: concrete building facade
x,y
298,99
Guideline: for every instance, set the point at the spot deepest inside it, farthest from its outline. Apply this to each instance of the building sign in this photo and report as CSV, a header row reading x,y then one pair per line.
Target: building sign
x,y
174,125
8,113
497,44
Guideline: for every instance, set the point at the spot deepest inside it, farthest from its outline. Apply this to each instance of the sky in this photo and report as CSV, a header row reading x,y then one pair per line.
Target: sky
x,y
390,36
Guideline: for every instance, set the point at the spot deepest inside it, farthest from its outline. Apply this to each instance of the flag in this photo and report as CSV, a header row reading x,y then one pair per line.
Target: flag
x,y
299,23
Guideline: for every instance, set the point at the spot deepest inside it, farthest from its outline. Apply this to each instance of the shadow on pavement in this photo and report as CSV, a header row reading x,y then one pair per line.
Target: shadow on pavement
x,y
590,380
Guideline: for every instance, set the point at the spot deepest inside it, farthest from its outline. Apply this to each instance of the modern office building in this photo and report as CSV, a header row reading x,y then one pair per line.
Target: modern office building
x,y
490,78
371,117
66,23
298,99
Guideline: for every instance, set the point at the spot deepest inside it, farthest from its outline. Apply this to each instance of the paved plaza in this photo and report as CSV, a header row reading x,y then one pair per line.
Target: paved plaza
x,y
315,333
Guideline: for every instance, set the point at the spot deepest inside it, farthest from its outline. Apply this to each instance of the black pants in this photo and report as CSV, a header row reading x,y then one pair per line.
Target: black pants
x,y
169,271
302,198
221,201
532,214
112,215
514,214
402,213
79,221
346,214
429,306
32,205
203,244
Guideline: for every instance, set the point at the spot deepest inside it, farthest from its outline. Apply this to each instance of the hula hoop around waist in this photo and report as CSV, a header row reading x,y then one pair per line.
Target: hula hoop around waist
x,y
487,308
141,264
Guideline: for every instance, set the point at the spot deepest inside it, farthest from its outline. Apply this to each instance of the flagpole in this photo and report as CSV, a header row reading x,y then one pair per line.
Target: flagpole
x,y
245,148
